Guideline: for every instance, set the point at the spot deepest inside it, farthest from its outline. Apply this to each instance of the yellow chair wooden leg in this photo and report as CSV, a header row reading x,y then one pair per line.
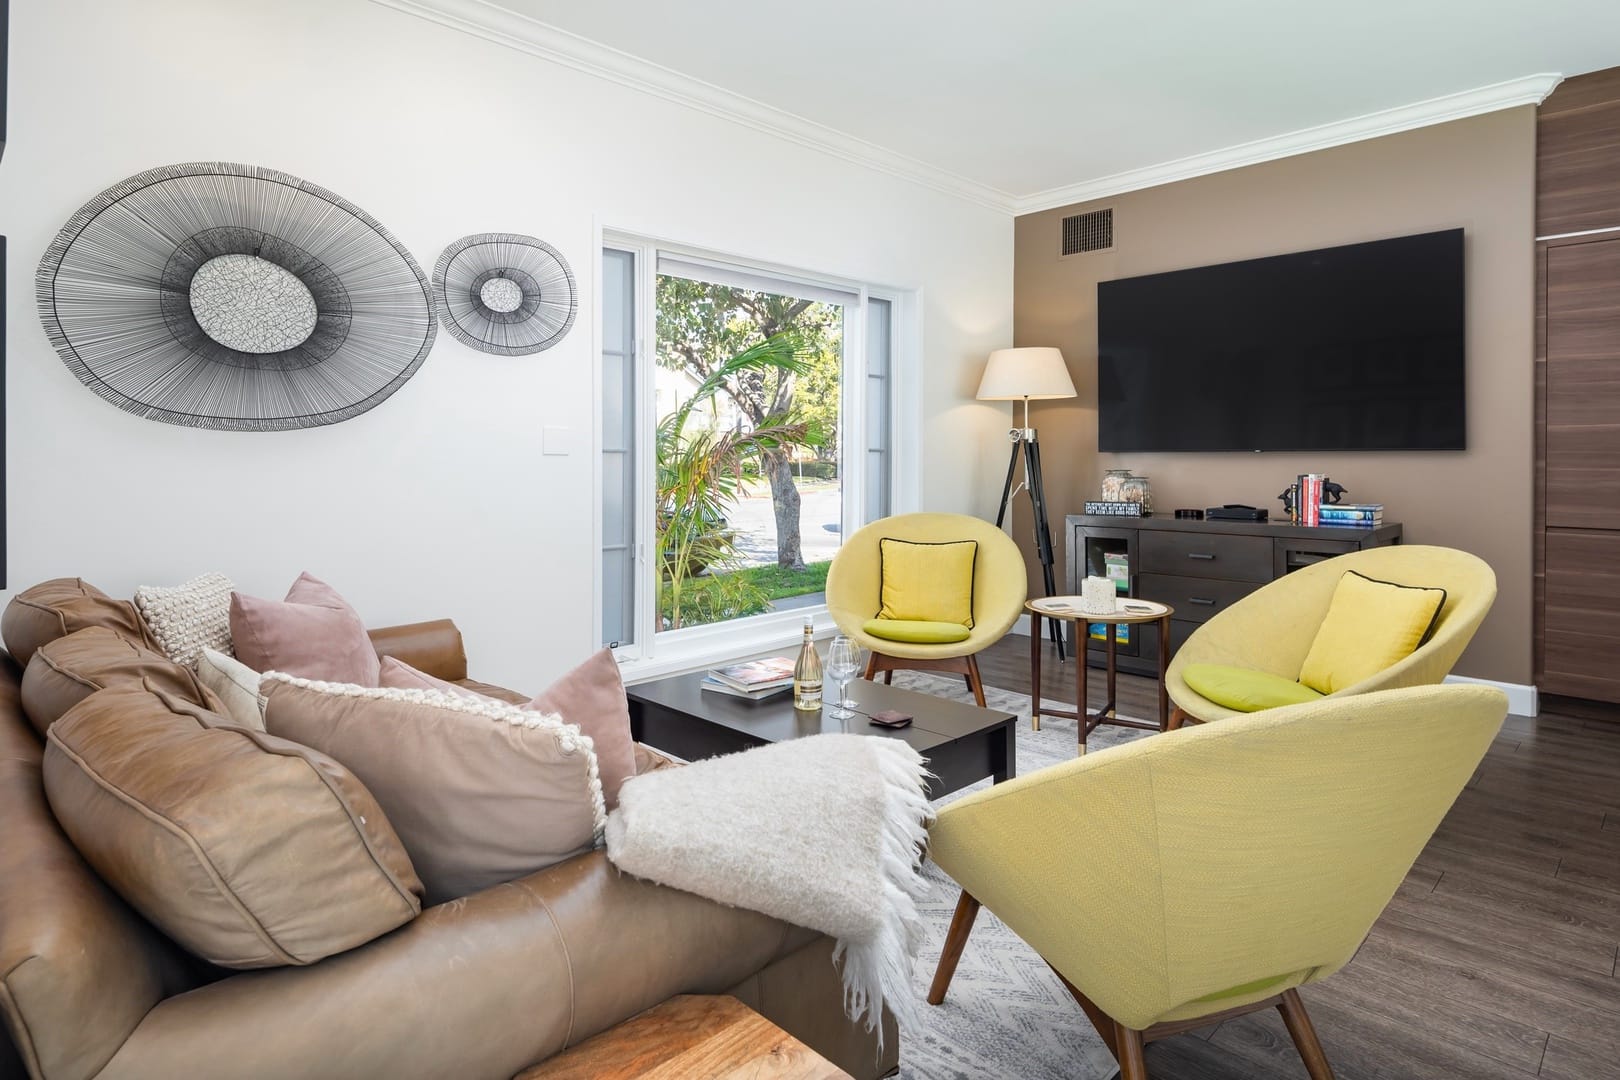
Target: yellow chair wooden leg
x,y
967,909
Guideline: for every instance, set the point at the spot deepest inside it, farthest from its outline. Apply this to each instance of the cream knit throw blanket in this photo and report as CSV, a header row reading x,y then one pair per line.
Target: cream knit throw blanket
x,y
824,832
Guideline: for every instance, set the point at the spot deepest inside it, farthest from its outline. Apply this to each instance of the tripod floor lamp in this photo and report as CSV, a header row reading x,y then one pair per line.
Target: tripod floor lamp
x,y
1030,374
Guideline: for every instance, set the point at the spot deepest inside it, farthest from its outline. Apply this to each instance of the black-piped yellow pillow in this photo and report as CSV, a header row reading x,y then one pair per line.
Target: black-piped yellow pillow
x,y
927,582
1371,625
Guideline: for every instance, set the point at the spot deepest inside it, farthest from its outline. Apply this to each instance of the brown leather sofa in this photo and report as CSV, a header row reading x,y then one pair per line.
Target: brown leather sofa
x,y
483,986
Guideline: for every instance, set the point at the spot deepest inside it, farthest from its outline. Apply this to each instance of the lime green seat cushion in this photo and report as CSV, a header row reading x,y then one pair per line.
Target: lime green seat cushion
x,y
917,632
1245,690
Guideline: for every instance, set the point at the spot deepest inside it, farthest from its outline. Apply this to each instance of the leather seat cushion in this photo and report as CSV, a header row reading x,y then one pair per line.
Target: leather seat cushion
x,y
64,672
56,608
248,850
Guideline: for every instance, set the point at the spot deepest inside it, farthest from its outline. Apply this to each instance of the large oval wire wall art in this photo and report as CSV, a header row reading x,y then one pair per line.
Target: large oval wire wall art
x,y
505,293
234,297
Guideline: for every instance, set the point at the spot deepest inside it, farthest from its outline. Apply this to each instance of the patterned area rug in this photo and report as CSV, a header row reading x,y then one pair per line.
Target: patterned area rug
x,y
1006,1015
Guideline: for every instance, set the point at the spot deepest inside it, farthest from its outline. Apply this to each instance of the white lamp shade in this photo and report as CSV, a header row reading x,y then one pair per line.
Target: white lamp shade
x,y
1034,373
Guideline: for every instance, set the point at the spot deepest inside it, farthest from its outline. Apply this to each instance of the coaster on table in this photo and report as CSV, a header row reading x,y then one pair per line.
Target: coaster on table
x,y
890,718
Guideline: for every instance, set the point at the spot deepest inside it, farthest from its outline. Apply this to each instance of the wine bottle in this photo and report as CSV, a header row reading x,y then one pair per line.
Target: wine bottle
x,y
807,674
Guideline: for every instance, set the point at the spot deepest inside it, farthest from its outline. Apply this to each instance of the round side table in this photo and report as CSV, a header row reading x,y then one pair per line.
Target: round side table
x,y
1067,609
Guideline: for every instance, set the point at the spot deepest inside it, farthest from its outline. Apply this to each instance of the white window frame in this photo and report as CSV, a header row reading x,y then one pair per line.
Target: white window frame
x,y
653,653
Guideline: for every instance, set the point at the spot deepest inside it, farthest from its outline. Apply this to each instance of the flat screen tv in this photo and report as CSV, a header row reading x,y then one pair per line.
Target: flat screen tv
x,y
1349,348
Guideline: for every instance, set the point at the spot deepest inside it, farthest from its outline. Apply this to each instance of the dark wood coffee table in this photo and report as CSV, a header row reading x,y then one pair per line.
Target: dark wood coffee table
x,y
963,743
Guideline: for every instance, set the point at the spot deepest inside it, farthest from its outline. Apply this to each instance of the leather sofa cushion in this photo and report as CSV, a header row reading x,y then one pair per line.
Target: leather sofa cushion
x,y
64,672
56,608
248,850
480,791
433,647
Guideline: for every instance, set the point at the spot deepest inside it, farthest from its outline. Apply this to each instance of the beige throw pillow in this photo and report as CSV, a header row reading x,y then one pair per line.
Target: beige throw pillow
x,y
186,619
236,685
479,791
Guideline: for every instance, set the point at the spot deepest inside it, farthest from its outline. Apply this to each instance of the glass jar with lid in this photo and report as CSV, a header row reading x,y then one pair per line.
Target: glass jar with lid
x,y
1113,485
1138,489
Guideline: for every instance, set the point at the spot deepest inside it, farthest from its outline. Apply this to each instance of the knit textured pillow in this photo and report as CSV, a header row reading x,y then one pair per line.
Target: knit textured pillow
x,y
185,619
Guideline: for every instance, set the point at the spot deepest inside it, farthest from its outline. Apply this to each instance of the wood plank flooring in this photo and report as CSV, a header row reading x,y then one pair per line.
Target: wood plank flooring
x,y
1497,959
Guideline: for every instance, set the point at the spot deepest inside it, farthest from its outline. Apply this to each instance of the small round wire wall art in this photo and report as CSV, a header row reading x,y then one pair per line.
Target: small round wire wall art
x,y
234,297
505,293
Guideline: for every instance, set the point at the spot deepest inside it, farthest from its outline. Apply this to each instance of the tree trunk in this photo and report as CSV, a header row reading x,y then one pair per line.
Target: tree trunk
x,y
785,502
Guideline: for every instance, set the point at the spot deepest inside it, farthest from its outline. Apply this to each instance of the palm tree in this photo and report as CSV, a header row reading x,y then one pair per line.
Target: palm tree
x,y
700,479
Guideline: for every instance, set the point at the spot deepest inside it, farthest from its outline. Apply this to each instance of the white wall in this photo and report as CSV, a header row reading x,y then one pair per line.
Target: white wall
x,y
438,502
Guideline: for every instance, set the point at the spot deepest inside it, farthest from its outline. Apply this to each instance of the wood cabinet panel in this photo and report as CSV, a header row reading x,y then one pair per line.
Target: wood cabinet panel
x,y
1578,155
1576,573
1581,621
1196,599
1210,555
1583,386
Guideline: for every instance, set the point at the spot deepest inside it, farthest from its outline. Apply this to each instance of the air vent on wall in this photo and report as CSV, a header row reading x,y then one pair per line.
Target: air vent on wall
x,y
1091,231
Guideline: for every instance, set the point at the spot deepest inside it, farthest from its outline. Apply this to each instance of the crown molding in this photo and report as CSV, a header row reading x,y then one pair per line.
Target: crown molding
x,y
491,22
1530,90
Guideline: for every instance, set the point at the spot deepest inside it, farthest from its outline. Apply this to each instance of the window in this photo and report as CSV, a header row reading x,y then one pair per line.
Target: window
x,y
747,428
618,445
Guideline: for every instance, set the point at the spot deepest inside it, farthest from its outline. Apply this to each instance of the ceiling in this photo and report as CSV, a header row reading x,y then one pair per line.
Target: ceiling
x,y
1026,96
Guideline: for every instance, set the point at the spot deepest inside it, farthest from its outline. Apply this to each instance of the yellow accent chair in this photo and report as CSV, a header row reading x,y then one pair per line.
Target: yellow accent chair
x,y
1271,629
1190,877
1000,585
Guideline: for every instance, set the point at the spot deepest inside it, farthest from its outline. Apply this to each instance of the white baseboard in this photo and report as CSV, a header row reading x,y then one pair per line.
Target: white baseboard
x,y
1522,697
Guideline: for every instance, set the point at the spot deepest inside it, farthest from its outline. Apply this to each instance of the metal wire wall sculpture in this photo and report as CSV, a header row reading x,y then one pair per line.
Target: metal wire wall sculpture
x,y
505,294
235,298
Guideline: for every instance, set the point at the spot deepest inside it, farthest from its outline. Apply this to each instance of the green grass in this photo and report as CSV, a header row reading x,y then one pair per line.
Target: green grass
x,y
736,594
779,582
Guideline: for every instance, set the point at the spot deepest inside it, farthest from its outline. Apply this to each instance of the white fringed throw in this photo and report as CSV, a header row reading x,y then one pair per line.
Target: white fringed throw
x,y
824,832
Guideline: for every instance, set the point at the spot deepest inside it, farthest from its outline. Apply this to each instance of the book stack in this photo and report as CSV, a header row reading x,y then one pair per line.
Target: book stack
x,y
1308,499
755,680
1353,515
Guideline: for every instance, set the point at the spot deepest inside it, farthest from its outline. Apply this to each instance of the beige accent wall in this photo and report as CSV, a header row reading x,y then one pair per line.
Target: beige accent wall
x,y
1478,174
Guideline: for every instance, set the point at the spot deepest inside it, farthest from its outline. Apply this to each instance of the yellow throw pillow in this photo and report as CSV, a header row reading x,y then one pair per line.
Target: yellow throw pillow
x,y
927,582
1371,625
1245,690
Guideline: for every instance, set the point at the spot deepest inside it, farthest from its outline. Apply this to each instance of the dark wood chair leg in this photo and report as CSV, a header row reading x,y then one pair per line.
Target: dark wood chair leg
x,y
1132,1065
975,683
1178,716
888,677
871,666
1304,1036
967,909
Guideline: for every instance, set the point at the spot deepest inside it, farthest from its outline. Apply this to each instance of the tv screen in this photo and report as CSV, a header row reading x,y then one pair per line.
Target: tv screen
x,y
1349,348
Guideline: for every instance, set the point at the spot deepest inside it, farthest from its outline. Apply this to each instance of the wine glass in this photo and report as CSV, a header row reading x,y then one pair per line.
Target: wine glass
x,y
843,663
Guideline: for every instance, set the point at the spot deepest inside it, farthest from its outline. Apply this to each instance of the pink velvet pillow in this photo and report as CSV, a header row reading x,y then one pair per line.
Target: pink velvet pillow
x,y
313,634
398,675
591,696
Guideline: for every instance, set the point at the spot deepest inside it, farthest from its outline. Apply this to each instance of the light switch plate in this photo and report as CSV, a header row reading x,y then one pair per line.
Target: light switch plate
x,y
558,441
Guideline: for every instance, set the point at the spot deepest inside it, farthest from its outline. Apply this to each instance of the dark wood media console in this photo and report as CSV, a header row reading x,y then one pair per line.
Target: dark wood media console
x,y
1197,567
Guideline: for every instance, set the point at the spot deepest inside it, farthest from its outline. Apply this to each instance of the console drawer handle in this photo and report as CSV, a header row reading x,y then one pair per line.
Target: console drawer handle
x,y
1200,600
1200,555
